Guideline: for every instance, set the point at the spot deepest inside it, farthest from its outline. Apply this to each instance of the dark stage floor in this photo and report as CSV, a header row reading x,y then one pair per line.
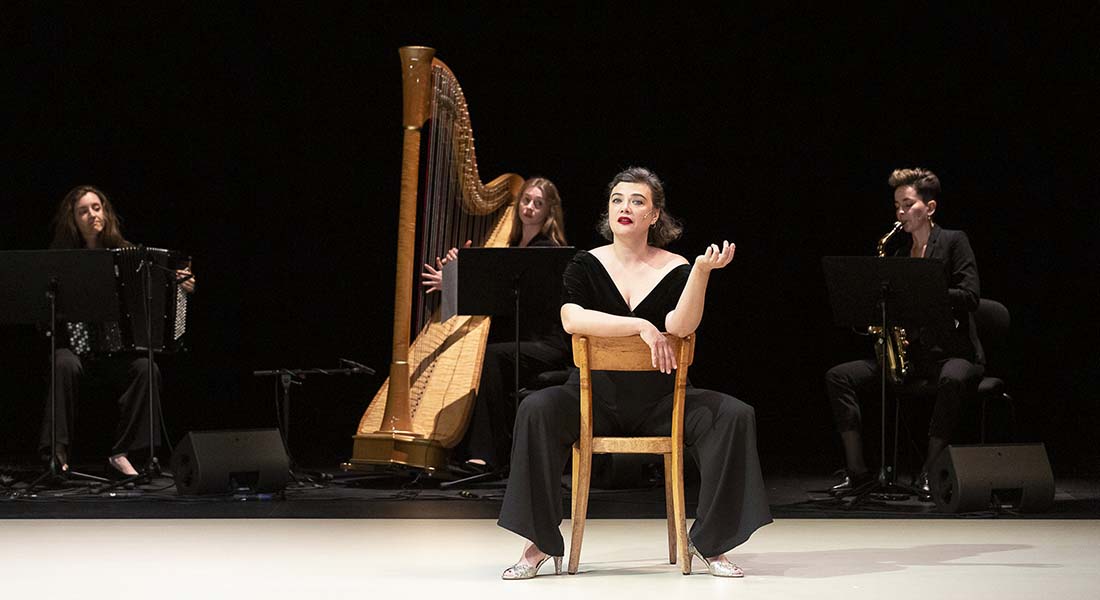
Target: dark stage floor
x,y
337,495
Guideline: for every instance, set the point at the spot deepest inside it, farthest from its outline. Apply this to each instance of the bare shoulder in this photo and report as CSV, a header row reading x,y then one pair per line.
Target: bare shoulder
x,y
665,260
602,253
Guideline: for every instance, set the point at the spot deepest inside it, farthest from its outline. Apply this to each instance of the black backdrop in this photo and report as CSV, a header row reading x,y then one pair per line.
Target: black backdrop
x,y
266,142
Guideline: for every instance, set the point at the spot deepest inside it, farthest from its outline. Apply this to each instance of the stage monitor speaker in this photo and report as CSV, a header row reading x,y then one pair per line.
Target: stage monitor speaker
x,y
230,462
985,477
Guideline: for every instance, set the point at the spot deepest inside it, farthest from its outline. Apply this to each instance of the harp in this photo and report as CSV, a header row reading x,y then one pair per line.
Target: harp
x,y
424,406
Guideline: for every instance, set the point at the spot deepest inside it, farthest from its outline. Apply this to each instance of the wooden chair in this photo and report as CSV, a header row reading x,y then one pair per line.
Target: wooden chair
x,y
592,353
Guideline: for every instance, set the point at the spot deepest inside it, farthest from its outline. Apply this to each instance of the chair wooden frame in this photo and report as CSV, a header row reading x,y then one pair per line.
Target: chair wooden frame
x,y
591,353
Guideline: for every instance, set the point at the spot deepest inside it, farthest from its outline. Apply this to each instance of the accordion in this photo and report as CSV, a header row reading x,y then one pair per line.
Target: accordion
x,y
167,306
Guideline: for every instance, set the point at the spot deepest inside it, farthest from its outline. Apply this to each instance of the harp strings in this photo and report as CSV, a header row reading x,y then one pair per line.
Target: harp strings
x,y
446,219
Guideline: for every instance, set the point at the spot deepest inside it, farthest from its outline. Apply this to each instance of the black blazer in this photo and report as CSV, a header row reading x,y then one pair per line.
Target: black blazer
x,y
952,248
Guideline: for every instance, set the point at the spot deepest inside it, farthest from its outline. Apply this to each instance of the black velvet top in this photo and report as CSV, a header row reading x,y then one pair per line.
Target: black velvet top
x,y
629,394
587,284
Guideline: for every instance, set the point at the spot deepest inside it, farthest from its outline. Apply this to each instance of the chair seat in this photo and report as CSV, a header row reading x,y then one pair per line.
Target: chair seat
x,y
634,445
991,385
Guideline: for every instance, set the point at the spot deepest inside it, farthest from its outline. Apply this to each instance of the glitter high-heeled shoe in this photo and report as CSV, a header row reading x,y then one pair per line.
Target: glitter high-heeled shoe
x,y
525,571
718,569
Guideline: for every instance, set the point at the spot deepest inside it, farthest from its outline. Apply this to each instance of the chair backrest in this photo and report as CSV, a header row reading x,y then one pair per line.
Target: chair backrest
x,y
626,353
992,320
591,353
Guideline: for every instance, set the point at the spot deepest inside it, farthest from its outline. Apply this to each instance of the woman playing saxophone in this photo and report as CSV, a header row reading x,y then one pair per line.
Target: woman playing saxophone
x,y
953,360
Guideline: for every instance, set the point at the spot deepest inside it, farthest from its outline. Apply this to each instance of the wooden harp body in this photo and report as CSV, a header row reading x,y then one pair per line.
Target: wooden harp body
x,y
424,406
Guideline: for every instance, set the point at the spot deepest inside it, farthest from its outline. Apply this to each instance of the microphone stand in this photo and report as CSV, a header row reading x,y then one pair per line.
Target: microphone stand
x,y
292,377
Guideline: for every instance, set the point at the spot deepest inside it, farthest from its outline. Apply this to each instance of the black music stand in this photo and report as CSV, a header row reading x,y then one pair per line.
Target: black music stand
x,y
887,292
44,286
500,282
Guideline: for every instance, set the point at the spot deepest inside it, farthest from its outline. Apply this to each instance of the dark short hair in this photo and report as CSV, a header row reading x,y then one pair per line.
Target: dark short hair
x,y
667,229
925,182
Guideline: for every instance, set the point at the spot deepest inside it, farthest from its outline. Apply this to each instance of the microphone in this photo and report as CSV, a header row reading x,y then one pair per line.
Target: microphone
x,y
359,366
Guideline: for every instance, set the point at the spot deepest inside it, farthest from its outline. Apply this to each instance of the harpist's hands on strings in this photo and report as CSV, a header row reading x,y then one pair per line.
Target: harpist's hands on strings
x,y
715,258
452,254
660,352
432,277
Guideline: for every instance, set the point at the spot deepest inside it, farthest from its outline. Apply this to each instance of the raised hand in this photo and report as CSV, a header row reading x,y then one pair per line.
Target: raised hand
x,y
715,258
432,278
660,352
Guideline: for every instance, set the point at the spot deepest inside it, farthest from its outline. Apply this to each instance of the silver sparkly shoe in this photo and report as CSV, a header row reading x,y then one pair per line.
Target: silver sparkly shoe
x,y
718,569
525,571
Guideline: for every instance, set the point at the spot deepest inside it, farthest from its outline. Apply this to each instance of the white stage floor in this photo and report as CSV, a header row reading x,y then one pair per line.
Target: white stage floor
x,y
442,559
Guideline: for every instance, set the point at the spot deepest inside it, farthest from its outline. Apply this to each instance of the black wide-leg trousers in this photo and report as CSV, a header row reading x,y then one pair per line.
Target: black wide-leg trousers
x,y
132,431
719,434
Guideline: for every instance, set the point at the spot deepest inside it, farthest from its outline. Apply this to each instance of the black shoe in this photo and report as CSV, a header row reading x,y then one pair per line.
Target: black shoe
x,y
924,487
467,468
851,482
478,466
113,474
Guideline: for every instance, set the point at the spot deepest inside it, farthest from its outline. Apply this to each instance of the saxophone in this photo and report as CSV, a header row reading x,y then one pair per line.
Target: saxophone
x,y
893,356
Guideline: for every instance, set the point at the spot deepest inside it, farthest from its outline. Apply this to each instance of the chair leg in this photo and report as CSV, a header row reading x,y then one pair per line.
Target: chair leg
x,y
575,485
1005,400
981,426
1013,423
679,509
582,476
670,510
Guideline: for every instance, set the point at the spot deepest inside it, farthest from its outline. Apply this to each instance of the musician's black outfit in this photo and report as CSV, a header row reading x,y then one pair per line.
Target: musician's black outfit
x,y
125,372
951,355
719,430
80,361
543,347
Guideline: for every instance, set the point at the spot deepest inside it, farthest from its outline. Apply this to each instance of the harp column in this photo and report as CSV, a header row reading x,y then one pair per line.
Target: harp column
x,y
395,441
416,73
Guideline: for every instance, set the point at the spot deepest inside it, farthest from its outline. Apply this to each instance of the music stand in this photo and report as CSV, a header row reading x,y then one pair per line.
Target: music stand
x,y
40,286
500,282
887,292
151,338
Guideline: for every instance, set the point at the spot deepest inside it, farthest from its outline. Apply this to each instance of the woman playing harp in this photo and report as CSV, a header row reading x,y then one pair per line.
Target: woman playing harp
x,y
424,406
537,221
